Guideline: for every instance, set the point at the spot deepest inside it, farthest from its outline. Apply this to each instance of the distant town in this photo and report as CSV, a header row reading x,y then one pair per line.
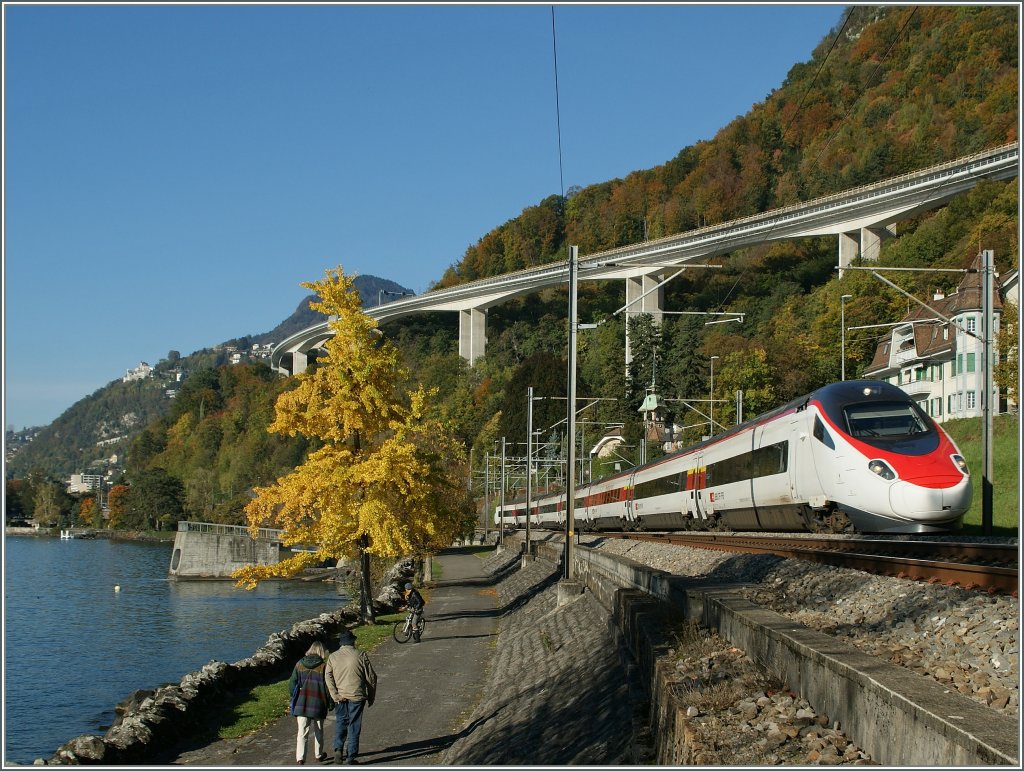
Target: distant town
x,y
15,441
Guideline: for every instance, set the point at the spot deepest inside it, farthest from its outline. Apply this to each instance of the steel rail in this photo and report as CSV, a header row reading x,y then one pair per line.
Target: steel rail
x,y
989,567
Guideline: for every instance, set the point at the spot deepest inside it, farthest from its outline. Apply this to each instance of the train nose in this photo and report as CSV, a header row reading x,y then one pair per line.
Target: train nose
x,y
931,500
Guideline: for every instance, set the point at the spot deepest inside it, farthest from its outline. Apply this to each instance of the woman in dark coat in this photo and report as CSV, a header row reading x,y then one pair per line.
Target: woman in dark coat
x,y
310,700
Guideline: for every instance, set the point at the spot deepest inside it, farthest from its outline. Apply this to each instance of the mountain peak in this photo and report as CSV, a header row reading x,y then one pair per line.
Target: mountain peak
x,y
370,289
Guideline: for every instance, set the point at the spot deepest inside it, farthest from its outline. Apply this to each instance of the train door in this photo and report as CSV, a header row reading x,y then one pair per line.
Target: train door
x,y
697,490
583,512
771,478
802,476
628,491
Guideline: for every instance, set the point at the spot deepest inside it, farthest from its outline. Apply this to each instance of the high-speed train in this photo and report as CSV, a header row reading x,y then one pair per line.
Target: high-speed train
x,y
859,455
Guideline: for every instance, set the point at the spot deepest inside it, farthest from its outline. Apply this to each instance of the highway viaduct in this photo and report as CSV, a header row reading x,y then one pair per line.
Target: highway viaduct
x,y
860,218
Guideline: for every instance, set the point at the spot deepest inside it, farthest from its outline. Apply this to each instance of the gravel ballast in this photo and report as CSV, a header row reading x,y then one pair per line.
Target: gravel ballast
x,y
966,640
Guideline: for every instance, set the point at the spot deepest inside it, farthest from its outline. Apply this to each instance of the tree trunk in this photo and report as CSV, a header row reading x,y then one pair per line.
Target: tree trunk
x,y
365,590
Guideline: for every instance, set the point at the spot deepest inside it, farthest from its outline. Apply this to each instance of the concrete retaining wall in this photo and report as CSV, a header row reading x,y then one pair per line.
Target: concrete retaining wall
x,y
217,555
898,716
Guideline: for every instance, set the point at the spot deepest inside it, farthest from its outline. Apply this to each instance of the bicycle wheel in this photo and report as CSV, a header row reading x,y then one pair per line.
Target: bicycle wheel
x,y
403,631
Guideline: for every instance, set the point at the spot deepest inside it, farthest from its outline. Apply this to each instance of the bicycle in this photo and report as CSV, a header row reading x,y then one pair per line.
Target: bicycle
x,y
407,628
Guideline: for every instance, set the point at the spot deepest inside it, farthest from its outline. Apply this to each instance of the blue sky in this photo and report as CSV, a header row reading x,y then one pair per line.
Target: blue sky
x,y
172,173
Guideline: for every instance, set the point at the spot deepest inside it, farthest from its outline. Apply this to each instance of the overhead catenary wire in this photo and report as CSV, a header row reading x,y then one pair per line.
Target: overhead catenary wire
x,y
842,120
558,113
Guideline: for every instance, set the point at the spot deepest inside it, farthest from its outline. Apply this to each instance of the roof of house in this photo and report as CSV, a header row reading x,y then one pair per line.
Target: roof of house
x,y
931,335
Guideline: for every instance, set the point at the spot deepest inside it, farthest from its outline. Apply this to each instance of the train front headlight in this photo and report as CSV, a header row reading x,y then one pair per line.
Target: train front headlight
x,y
961,464
881,468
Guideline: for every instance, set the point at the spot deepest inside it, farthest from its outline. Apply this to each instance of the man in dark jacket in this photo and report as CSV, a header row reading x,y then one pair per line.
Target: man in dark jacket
x,y
352,683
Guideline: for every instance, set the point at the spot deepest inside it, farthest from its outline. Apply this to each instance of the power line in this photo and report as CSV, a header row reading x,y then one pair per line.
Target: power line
x,y
558,113
799,107
881,61
842,120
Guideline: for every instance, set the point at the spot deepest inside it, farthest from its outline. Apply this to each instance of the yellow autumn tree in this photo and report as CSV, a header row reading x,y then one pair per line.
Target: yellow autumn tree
x,y
388,479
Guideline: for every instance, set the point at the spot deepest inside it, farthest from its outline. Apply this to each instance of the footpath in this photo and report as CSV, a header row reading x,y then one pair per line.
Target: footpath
x,y
425,690
505,675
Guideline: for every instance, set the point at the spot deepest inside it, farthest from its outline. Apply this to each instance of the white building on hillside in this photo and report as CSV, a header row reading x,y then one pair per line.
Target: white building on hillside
x,y
939,364
141,372
83,483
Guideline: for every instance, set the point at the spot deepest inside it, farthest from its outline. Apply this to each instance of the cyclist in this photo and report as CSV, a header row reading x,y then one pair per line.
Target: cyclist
x,y
414,601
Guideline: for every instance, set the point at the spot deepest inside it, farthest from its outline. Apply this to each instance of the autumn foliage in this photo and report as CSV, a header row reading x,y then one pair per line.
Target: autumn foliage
x,y
387,476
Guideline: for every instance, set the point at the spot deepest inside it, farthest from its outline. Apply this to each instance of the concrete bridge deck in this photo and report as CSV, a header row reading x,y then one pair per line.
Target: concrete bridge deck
x,y
860,218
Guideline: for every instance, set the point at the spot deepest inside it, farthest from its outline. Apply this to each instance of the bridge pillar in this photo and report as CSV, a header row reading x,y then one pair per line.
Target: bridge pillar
x,y
870,243
299,362
639,302
849,248
472,334
865,243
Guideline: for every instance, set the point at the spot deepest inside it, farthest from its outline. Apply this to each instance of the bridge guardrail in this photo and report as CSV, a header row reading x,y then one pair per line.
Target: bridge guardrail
x,y
963,167
264,533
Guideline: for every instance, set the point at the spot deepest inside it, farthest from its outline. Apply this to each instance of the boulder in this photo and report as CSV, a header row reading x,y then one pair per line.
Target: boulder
x,y
132,703
82,750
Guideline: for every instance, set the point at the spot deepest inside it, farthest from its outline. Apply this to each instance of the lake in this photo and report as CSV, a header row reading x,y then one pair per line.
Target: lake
x,y
74,648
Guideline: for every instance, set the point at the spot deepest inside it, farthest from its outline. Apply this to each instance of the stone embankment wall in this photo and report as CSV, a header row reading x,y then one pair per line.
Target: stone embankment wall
x,y
160,717
151,720
26,531
898,717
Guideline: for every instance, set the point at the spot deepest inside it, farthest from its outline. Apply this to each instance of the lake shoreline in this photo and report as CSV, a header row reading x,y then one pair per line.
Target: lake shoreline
x,y
159,536
152,631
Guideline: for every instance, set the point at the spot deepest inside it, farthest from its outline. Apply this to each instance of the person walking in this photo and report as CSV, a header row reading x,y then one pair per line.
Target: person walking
x,y
310,701
352,683
414,601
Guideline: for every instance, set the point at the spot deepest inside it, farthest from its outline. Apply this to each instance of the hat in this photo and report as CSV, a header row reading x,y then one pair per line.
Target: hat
x,y
345,637
408,586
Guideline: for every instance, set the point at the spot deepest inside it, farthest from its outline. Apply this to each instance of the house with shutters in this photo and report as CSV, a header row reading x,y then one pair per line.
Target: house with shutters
x,y
937,363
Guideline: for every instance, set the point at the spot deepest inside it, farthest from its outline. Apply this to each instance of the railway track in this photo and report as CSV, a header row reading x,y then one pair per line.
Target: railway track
x,y
986,567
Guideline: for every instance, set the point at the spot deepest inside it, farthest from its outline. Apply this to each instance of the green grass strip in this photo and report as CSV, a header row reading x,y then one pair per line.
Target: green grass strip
x,y
263,704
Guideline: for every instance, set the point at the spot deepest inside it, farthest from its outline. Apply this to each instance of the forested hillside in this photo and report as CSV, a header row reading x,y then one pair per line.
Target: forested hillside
x,y
205,456
895,89
890,90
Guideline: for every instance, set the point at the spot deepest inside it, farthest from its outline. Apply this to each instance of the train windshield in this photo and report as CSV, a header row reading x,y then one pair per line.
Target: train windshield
x,y
886,422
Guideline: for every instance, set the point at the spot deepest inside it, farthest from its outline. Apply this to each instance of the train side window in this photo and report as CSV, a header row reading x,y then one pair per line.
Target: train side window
x,y
822,434
661,486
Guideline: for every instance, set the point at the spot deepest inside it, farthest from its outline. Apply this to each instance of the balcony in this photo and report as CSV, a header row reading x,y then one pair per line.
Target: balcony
x,y
916,389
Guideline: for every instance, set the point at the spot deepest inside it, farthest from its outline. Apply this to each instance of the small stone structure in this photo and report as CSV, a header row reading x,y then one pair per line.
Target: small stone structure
x,y
210,550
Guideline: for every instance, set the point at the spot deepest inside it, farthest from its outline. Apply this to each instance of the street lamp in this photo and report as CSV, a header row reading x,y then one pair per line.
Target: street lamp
x,y
842,325
529,468
711,410
501,518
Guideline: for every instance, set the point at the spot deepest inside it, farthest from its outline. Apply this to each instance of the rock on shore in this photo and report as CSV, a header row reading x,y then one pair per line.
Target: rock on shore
x,y
153,721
